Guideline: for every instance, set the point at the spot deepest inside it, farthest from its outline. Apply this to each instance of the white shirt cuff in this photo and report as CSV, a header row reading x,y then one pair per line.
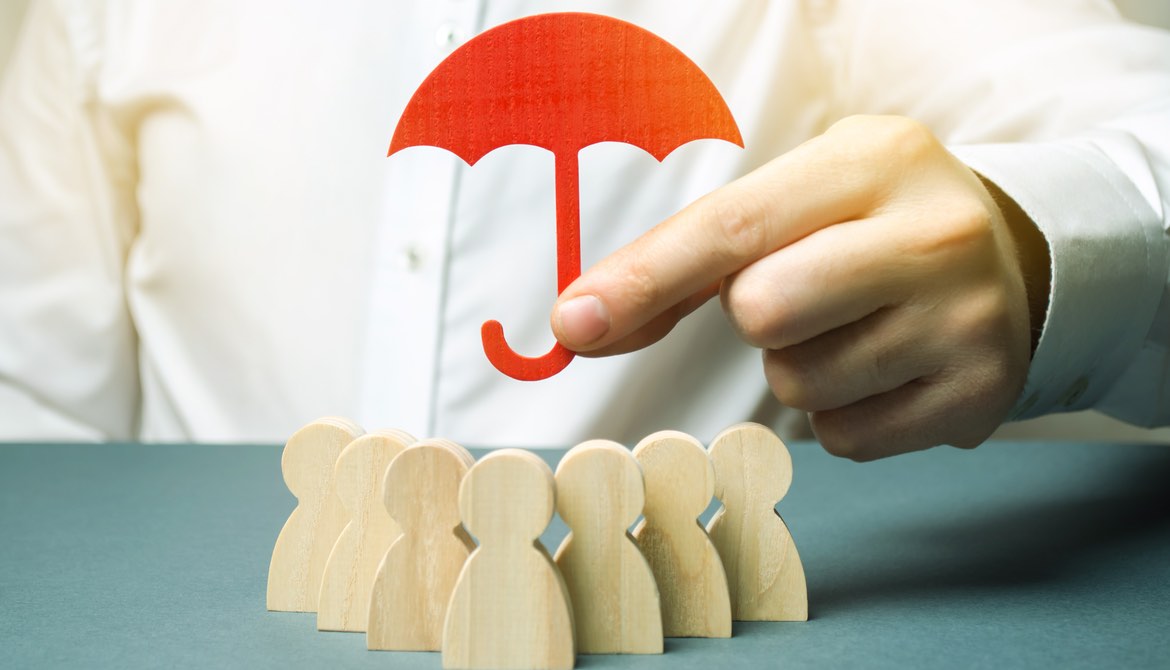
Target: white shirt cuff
x,y
1108,265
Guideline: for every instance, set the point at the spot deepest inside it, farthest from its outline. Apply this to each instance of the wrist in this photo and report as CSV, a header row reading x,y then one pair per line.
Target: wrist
x,y
1032,255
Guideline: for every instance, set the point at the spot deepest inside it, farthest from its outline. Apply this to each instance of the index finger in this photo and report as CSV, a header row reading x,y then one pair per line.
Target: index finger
x,y
810,187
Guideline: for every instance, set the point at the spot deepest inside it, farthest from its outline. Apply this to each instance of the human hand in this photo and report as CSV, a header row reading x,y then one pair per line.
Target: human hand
x,y
874,269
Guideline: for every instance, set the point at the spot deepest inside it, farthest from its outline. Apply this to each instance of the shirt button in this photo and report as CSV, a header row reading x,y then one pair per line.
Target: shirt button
x,y
413,258
1074,392
448,35
1023,408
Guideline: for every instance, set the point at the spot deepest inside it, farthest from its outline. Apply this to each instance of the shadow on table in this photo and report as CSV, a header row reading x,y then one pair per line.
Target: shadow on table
x,y
1033,543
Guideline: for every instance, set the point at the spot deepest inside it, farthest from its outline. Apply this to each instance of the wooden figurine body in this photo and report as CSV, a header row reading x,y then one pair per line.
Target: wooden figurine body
x,y
693,586
308,536
413,583
344,603
510,608
753,471
600,493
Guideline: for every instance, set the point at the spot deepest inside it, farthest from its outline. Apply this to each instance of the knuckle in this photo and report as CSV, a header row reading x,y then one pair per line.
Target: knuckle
x,y
790,393
741,231
794,380
855,123
840,438
888,135
751,312
903,136
752,328
756,308
642,289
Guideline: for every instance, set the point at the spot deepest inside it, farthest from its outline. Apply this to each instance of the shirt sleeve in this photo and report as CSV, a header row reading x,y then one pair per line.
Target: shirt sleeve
x,y
1066,107
68,355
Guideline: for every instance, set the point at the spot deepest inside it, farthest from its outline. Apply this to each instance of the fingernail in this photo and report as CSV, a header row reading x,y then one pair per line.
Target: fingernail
x,y
583,320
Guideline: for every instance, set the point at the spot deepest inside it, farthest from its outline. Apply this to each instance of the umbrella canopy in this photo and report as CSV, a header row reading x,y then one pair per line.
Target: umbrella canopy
x,y
562,82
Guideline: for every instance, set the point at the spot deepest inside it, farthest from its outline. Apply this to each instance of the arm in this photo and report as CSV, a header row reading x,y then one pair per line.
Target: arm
x,y
67,219
870,265
882,278
1064,106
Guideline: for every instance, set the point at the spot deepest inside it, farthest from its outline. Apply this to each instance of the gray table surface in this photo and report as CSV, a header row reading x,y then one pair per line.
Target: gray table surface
x,y
1013,555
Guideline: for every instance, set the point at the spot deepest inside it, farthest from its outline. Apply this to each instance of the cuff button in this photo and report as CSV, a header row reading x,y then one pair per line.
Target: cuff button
x,y
1074,392
1023,407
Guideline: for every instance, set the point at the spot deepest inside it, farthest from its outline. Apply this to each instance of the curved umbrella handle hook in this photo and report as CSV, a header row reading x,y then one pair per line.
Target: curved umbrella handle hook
x,y
520,367
498,352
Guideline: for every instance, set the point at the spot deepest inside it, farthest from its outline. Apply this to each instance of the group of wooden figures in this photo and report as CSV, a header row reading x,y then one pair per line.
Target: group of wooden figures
x,y
381,542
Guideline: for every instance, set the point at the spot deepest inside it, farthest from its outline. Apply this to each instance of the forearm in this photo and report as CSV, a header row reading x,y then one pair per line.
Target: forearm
x,y
1064,108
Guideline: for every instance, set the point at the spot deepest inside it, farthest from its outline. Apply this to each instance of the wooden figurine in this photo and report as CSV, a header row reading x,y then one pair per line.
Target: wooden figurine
x,y
753,471
413,584
344,602
307,538
693,587
600,493
510,608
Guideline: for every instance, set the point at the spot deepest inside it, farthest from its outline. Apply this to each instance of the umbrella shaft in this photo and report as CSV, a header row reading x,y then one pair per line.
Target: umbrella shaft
x,y
568,219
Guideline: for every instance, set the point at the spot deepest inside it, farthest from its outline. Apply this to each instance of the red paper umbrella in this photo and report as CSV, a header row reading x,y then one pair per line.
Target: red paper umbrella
x,y
562,82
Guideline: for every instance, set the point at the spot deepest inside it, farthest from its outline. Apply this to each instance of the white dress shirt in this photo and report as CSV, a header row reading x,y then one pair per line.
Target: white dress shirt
x,y
201,237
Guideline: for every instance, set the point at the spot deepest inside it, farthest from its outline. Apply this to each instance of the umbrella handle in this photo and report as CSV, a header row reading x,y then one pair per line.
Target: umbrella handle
x,y
520,367
498,352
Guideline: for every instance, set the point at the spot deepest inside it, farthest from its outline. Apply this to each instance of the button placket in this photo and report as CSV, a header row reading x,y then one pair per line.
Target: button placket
x,y
402,343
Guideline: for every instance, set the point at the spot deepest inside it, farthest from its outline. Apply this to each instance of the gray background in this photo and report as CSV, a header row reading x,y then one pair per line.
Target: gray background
x,y
1014,555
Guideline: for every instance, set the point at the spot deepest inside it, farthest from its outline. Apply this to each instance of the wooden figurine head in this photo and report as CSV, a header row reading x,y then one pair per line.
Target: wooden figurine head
x,y
508,495
599,469
752,454
679,478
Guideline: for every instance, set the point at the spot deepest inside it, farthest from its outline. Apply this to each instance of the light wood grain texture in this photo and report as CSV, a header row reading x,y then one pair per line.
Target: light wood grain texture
x,y
600,494
691,582
413,583
344,602
307,538
753,471
510,608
